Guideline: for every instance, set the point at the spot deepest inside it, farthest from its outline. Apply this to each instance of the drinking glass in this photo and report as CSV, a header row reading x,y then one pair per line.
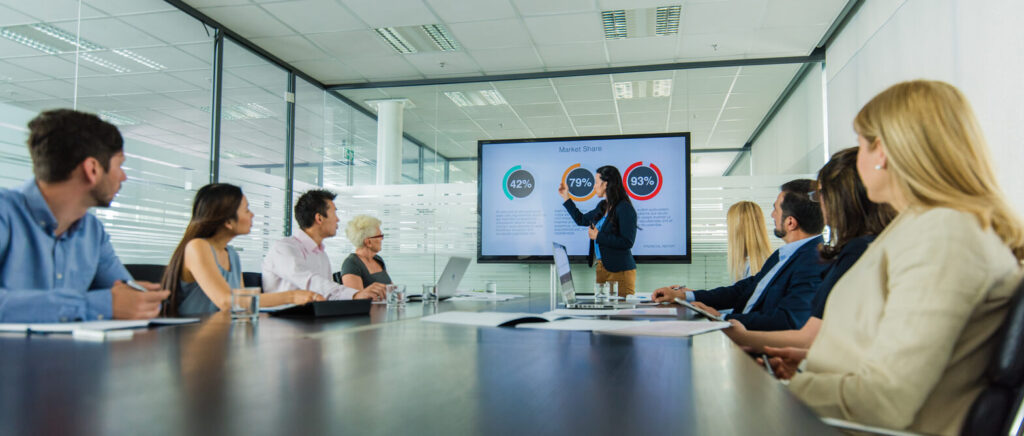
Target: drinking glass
x,y
429,292
396,295
245,304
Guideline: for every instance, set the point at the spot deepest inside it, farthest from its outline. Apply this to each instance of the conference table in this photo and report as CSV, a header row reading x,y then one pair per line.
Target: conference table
x,y
389,373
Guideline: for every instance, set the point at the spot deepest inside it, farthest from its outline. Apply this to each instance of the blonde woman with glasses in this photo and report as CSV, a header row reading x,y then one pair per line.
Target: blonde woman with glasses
x,y
910,329
748,240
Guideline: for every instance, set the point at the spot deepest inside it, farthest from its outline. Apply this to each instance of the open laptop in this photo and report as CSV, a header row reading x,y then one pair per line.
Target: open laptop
x,y
448,282
565,279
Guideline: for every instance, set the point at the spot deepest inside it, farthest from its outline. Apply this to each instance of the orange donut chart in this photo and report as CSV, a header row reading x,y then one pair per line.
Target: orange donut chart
x,y
566,175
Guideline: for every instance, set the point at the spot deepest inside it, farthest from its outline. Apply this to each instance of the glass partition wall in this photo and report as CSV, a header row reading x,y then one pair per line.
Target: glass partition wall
x,y
149,69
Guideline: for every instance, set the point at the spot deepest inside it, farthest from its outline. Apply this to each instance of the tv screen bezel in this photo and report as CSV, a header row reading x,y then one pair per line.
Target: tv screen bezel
x,y
650,259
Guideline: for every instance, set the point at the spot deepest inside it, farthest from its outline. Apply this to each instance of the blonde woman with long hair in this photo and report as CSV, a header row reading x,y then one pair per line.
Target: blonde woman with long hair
x,y
910,329
748,240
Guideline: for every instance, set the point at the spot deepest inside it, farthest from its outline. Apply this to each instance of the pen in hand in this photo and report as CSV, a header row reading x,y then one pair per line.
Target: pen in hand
x,y
767,365
135,285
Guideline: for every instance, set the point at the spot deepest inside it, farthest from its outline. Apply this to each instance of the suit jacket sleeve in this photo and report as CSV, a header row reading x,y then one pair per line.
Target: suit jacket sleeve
x,y
625,216
581,219
792,311
728,297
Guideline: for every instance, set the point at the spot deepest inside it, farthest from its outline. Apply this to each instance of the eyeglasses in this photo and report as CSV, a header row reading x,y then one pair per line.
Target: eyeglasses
x,y
815,196
380,236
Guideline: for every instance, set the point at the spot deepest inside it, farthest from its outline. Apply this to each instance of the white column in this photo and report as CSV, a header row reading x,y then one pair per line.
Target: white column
x,y
389,140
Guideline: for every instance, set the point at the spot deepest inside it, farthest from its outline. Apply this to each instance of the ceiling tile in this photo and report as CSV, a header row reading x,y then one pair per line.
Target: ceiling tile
x,y
248,21
573,55
539,110
723,16
329,71
439,63
590,107
491,34
506,59
711,46
548,7
595,120
290,48
562,29
655,49
11,17
314,16
541,123
645,118
173,27
50,11
396,13
585,92
786,13
456,11
643,105
356,43
386,67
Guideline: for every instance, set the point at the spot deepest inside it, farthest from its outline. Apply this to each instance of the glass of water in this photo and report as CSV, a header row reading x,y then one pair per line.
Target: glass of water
x,y
396,295
429,292
245,304
613,289
601,292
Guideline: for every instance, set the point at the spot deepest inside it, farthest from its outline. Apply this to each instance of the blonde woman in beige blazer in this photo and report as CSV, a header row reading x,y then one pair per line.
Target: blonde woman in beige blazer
x,y
909,329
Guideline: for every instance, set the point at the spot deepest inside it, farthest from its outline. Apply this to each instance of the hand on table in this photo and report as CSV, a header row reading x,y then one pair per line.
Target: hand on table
x,y
129,303
669,294
707,308
784,361
375,292
300,297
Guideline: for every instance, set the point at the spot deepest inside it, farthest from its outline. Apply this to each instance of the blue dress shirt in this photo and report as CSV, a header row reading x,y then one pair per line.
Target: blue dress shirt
x,y
785,252
597,248
45,278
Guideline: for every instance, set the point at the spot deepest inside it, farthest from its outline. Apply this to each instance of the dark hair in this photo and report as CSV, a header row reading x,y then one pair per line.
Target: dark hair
x,y
849,212
796,202
614,192
60,139
310,204
214,205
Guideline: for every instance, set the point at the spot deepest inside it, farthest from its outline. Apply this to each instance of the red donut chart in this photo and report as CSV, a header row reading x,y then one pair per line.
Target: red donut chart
x,y
625,181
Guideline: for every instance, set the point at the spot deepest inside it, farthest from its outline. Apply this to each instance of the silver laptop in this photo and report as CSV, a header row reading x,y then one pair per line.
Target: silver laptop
x,y
452,275
565,279
448,282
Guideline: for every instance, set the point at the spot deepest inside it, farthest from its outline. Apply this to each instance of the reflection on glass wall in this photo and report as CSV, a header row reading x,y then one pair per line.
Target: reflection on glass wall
x,y
152,82
252,145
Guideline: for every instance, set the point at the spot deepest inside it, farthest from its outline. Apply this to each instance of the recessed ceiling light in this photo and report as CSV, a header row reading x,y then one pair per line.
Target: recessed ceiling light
x,y
494,98
622,90
439,34
485,97
395,40
641,23
614,23
26,41
661,88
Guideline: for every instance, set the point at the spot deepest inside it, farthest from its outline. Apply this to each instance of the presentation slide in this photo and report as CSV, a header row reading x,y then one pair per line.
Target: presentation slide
x,y
521,213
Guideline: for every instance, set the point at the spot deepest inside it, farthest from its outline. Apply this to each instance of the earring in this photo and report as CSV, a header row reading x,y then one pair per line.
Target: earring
x,y
878,167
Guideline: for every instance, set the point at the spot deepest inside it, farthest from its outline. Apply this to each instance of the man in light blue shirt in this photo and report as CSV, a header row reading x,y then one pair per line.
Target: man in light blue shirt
x,y
56,261
780,296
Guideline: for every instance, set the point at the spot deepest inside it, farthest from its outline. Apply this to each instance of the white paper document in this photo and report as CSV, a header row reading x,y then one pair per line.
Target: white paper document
x,y
68,327
273,309
659,311
669,328
582,324
484,297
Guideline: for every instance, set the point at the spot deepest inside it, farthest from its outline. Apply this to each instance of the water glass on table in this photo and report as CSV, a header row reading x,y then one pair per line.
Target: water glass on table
x,y
395,295
429,293
601,292
613,289
245,304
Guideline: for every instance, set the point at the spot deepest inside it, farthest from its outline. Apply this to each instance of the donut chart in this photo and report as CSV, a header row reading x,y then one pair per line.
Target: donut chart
x,y
642,182
580,182
517,183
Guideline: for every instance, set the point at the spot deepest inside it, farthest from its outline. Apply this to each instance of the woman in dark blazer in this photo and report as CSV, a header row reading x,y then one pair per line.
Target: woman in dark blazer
x,y
612,229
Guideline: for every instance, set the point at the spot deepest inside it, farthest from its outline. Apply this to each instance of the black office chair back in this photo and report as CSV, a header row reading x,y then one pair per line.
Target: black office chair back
x,y
252,280
337,277
993,410
146,272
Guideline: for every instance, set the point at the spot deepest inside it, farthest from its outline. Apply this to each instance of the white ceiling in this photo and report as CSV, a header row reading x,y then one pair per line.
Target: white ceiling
x,y
333,42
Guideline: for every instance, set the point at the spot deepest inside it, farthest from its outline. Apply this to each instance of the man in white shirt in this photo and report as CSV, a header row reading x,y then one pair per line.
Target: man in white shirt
x,y
300,262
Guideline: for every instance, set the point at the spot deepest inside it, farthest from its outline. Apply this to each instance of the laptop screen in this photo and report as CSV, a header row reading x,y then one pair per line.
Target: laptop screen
x,y
564,273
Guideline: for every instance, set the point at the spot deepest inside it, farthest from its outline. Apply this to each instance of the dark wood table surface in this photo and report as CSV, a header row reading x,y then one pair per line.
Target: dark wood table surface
x,y
389,373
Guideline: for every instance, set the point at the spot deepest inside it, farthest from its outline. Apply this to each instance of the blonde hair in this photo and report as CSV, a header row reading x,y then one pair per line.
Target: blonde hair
x,y
748,238
360,228
937,154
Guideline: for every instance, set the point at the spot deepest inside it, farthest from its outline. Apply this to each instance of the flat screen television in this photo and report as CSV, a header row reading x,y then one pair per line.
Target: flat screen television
x,y
520,212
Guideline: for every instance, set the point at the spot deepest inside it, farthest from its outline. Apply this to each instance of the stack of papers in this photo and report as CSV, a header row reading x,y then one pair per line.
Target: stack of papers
x,y
69,327
668,328
659,311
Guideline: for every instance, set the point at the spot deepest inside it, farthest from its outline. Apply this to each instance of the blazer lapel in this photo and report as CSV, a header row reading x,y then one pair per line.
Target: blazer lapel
x,y
810,245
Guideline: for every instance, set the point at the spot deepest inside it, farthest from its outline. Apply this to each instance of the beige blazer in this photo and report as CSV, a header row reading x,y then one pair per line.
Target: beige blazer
x,y
908,330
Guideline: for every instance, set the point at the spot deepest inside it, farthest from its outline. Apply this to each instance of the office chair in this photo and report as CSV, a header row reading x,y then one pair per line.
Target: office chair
x,y
146,272
337,277
252,280
997,410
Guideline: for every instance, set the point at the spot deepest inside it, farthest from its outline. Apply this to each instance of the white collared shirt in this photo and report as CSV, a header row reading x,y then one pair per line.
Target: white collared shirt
x,y
296,262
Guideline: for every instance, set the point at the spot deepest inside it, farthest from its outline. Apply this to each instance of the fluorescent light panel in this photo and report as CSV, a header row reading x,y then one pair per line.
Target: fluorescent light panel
x,y
614,23
485,97
442,39
666,20
641,23
396,41
639,89
72,44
